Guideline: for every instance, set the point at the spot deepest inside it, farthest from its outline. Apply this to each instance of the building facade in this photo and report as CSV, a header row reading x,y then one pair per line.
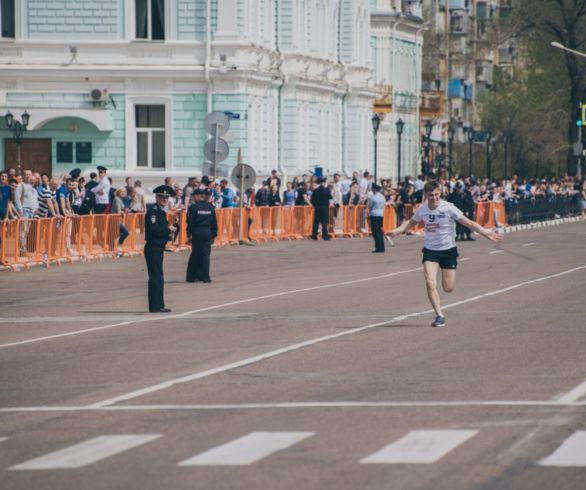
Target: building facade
x,y
128,83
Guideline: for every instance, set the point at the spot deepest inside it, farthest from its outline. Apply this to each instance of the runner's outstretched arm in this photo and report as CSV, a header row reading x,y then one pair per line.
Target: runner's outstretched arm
x,y
493,236
401,229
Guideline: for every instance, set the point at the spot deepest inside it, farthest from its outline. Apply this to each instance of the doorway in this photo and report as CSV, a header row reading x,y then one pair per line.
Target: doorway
x,y
35,155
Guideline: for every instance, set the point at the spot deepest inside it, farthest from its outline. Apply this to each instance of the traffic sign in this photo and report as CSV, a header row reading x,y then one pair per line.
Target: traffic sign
x,y
243,176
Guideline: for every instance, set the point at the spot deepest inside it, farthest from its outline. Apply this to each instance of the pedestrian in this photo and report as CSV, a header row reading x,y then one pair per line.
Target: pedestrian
x,y
26,198
376,209
157,234
440,251
102,192
202,229
320,200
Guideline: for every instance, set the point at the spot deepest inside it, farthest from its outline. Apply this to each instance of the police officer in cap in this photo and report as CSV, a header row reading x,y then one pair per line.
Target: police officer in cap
x,y
158,233
202,228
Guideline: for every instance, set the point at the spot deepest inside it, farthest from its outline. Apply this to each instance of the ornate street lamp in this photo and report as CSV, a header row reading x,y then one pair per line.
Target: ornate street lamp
x,y
400,125
506,144
451,134
470,135
375,125
17,128
488,141
428,129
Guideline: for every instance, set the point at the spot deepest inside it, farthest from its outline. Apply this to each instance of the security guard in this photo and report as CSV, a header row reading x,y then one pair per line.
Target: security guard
x,y
202,228
157,233
320,199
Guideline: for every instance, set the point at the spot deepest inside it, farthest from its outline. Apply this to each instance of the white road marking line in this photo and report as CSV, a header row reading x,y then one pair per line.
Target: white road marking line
x,y
464,259
86,452
2,439
208,308
527,244
308,343
574,394
420,446
496,252
316,404
247,449
572,452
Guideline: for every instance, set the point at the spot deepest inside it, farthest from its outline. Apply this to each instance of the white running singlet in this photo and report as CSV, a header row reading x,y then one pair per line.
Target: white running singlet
x,y
439,225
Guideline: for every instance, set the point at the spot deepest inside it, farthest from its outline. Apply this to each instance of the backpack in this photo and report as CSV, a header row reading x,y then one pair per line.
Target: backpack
x,y
88,204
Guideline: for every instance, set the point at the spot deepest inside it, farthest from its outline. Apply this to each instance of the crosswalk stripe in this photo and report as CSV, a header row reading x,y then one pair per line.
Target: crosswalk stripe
x,y
420,446
86,452
572,452
247,449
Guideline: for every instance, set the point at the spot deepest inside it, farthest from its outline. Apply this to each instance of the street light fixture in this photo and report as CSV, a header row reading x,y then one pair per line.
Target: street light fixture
x,y
506,145
451,134
17,128
470,135
428,129
400,125
488,140
375,125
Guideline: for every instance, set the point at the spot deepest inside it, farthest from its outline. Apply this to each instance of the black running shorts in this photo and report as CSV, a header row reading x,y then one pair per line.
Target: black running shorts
x,y
447,259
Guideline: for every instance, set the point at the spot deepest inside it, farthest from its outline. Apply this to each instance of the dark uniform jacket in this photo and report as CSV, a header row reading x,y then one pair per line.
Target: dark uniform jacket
x,y
321,196
202,215
157,231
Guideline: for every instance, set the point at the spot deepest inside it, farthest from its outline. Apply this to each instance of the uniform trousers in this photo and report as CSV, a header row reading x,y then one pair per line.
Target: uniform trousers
x,y
321,215
154,260
198,267
376,226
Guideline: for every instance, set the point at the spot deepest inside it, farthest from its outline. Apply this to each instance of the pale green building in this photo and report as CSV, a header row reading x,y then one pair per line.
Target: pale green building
x,y
128,83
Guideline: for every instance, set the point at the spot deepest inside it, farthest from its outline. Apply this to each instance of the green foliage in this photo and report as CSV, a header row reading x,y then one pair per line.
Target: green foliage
x,y
538,105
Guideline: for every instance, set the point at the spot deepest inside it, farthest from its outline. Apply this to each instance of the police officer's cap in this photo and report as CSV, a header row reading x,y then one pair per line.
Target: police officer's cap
x,y
164,191
75,173
102,169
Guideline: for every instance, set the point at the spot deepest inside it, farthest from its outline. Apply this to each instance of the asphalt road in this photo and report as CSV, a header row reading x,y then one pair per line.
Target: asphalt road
x,y
303,365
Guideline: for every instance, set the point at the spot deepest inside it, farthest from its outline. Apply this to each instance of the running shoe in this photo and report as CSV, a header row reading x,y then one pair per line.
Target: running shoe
x,y
440,321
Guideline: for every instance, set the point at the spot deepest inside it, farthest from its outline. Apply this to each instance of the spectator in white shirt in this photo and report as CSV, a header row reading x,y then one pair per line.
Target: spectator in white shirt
x,y
102,192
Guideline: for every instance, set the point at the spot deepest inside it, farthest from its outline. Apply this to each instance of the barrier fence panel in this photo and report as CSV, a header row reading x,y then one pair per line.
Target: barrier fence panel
x,y
288,223
389,219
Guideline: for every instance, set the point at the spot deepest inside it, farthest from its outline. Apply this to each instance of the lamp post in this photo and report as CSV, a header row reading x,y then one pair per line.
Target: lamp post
x,y
451,134
488,139
400,125
428,129
17,128
506,144
375,125
470,136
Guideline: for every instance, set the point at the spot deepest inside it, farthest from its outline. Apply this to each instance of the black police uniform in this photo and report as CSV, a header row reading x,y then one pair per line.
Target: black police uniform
x,y
321,206
202,227
464,202
157,235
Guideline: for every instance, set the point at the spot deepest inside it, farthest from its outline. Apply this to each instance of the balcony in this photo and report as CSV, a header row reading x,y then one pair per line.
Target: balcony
x,y
384,98
432,103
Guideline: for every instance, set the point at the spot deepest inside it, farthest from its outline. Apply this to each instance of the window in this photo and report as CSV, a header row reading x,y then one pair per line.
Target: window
x,y
150,136
7,18
150,19
83,152
64,152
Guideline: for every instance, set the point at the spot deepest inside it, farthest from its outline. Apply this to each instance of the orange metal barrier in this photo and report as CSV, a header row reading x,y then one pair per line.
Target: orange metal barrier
x,y
490,214
54,240
389,219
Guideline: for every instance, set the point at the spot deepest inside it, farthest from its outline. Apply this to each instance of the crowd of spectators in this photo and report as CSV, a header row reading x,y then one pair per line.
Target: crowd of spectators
x,y
34,195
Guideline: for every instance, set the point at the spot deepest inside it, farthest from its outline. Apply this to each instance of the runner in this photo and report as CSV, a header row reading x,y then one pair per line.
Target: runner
x,y
440,252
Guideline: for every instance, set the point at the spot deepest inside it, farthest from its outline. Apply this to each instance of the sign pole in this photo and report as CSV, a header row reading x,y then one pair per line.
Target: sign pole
x,y
241,233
